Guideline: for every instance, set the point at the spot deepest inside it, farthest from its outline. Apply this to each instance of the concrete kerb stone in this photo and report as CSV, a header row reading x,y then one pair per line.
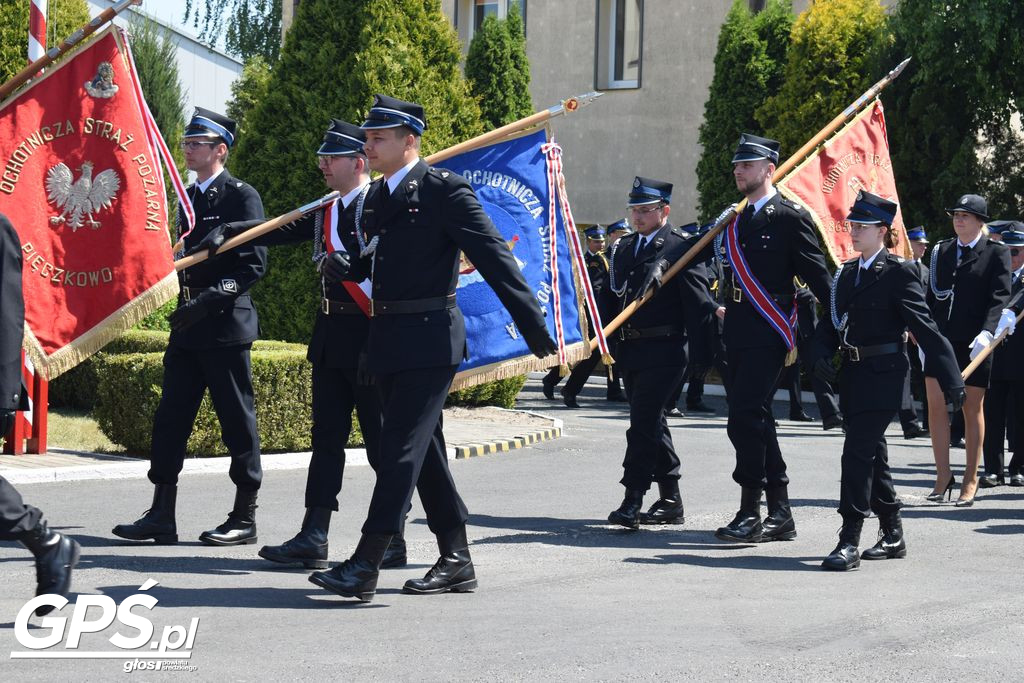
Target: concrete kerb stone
x,y
518,441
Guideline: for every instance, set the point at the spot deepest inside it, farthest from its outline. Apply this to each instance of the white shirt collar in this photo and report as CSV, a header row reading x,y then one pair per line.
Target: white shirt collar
x,y
351,196
866,263
395,180
1017,273
971,245
759,204
205,185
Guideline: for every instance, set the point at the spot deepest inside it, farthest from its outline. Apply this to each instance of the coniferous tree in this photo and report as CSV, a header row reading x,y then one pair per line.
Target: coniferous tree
x,y
337,54
251,28
951,114
498,70
748,68
248,90
832,59
64,17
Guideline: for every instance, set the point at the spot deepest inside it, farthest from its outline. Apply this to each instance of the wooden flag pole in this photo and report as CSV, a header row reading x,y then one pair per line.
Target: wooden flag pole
x,y
780,173
70,42
987,351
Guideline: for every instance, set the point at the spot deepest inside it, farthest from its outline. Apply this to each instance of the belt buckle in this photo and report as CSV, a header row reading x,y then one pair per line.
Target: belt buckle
x,y
737,295
853,353
325,306
185,294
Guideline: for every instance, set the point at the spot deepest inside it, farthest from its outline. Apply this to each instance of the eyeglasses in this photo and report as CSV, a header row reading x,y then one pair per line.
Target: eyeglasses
x,y
642,210
192,145
856,227
1014,252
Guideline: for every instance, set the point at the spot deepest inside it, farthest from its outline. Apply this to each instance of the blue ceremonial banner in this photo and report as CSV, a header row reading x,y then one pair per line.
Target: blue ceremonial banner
x,y
515,183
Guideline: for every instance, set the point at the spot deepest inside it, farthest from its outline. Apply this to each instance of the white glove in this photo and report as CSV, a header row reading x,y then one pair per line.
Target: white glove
x,y
1007,321
980,343
726,214
920,354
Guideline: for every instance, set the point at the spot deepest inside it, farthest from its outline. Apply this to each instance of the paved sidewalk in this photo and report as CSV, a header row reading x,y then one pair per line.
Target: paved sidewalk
x,y
469,432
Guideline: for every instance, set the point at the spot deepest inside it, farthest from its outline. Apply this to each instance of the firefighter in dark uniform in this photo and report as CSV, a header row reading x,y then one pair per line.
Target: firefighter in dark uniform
x,y
652,348
212,331
337,350
774,241
1004,400
968,288
615,232
912,427
597,271
56,554
416,220
874,299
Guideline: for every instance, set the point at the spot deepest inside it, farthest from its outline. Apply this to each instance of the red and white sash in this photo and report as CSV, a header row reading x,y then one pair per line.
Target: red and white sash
x,y
360,292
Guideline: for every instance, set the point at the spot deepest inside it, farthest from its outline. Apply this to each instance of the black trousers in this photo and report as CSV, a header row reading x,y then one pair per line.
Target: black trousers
x,y
866,482
754,374
412,453
650,454
227,373
824,393
1004,415
15,517
335,393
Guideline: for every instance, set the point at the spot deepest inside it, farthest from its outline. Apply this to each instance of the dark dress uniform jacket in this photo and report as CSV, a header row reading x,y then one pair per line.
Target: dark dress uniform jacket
x,y
888,300
778,242
597,271
432,214
683,302
1008,358
982,288
228,276
337,340
12,319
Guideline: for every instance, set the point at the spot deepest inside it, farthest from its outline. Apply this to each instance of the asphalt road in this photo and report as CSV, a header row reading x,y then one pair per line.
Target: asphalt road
x,y
562,594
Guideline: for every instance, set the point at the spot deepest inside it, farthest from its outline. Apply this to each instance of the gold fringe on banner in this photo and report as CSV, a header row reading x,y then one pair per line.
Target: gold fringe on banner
x,y
516,366
112,327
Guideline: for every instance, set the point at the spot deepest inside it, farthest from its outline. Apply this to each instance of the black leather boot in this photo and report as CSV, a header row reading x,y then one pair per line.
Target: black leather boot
x,y
309,547
56,555
745,527
846,556
628,514
778,525
453,572
395,556
891,544
240,526
668,509
356,577
157,523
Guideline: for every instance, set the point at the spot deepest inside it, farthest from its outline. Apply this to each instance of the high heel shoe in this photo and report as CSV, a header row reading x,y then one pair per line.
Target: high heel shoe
x,y
966,502
936,497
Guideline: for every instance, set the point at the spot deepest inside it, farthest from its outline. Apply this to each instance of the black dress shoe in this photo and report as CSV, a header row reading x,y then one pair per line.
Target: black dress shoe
x,y
628,514
913,431
990,481
617,397
548,385
1017,479
801,417
569,400
309,547
356,577
453,572
240,526
831,422
700,407
668,509
674,412
56,555
157,524
745,527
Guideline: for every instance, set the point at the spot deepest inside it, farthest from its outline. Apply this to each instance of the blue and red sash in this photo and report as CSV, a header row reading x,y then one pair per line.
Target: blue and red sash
x,y
759,298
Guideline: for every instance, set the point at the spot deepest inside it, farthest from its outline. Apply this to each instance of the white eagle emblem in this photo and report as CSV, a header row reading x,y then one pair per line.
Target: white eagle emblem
x,y
79,199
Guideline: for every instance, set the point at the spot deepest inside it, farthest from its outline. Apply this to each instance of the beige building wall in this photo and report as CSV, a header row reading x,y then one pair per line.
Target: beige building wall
x,y
650,130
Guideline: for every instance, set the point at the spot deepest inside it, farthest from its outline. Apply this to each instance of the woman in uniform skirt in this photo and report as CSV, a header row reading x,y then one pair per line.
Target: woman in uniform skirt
x,y
874,299
969,285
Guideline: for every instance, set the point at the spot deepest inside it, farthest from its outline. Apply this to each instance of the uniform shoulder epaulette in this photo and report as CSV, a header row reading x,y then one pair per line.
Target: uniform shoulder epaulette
x,y
442,173
1001,244
895,257
680,232
948,239
851,262
791,204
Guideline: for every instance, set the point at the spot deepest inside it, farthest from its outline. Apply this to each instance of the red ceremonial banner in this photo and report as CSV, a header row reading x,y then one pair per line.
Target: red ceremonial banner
x,y
856,158
82,184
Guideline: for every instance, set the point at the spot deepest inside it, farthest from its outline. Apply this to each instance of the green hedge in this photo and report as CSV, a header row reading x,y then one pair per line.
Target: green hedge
x,y
129,391
500,393
77,388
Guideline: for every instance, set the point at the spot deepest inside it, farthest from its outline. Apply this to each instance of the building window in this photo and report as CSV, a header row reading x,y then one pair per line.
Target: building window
x,y
470,15
483,9
619,43
756,5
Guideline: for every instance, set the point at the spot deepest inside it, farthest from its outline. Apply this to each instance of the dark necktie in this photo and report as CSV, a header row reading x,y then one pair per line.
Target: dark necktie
x,y
964,253
385,191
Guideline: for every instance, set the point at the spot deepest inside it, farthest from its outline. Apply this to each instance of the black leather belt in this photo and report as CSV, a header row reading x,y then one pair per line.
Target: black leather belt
x,y
437,303
332,307
189,293
781,299
651,332
859,353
